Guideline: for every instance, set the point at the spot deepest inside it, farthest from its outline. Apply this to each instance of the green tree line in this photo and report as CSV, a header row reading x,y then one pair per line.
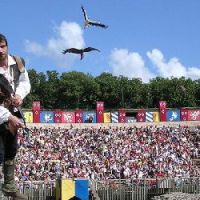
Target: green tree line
x,y
73,90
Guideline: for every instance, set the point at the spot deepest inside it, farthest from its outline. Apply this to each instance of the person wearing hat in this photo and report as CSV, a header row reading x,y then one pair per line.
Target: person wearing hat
x,y
14,87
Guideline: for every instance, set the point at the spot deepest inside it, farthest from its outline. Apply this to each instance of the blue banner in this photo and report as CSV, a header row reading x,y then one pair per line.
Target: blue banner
x,y
46,117
173,115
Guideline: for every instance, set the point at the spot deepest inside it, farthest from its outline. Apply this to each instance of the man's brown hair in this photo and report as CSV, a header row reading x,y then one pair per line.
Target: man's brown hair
x,y
3,38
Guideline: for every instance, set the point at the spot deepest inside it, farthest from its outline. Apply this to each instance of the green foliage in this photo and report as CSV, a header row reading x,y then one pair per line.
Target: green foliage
x,y
73,90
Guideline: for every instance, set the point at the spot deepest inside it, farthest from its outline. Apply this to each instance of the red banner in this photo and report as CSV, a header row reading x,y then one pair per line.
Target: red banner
x,y
162,105
122,116
36,105
79,116
68,117
99,111
141,116
163,111
100,105
163,115
99,116
58,116
193,115
184,114
36,116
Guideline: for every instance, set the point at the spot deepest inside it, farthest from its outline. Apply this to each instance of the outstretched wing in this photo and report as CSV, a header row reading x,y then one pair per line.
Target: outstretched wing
x,y
72,50
94,23
84,13
90,49
91,22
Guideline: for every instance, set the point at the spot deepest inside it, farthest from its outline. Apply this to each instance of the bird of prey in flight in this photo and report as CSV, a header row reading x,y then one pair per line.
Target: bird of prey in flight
x,y
89,22
80,51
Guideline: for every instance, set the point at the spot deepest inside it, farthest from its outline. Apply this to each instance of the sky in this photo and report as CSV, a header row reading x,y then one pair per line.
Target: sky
x,y
144,38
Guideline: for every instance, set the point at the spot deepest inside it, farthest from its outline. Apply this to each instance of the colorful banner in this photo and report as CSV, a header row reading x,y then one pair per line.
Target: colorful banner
x,y
122,115
114,117
107,117
67,189
152,117
99,115
184,114
99,111
36,116
163,111
72,189
89,117
46,117
58,116
193,115
173,115
156,116
141,116
28,117
81,189
68,117
99,105
162,105
36,105
78,116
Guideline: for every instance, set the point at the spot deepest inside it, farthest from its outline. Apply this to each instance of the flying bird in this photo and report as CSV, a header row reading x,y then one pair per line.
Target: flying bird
x,y
89,22
80,51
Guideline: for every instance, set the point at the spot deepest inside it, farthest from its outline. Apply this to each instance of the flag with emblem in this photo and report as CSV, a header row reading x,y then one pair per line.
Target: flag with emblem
x,y
99,111
68,117
28,117
79,116
173,115
122,116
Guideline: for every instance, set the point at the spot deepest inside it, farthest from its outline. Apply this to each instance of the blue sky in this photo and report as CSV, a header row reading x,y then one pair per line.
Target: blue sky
x,y
145,38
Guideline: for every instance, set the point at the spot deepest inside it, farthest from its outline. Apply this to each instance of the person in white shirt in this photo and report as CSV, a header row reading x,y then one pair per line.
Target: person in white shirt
x,y
9,123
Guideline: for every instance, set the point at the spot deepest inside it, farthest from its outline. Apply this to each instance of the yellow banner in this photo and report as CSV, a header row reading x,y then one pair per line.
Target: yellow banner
x,y
67,189
106,117
156,116
28,117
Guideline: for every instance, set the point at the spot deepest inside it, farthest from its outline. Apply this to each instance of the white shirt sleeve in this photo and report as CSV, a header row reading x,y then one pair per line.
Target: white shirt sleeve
x,y
24,86
4,114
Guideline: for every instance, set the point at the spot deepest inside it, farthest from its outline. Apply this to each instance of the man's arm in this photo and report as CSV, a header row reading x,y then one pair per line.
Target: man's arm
x,y
22,90
13,122
4,114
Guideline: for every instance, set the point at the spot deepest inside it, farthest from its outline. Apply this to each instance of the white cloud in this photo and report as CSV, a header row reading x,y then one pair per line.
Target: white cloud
x,y
132,65
68,34
34,48
129,64
171,68
122,61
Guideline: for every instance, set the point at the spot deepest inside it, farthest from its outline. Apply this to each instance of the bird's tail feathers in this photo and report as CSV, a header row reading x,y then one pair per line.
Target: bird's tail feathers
x,y
82,55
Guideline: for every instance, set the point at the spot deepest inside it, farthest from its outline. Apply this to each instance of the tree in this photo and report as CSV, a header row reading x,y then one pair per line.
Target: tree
x,y
77,90
72,90
109,90
35,85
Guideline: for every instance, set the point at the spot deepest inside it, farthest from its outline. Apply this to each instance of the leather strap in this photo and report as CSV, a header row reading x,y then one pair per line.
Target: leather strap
x,y
20,63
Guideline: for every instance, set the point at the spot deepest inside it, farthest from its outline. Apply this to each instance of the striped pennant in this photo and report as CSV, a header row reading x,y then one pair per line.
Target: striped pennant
x,y
149,116
114,117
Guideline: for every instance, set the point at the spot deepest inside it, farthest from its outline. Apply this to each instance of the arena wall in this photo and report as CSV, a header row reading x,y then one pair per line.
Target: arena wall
x,y
107,125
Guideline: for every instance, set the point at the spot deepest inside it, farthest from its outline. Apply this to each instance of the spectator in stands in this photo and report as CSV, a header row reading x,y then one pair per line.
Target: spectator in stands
x,y
107,153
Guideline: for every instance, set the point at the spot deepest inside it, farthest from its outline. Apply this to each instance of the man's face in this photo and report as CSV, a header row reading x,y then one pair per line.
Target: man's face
x,y
3,50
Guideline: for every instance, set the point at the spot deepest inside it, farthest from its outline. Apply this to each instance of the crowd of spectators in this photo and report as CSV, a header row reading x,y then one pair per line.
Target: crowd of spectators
x,y
108,153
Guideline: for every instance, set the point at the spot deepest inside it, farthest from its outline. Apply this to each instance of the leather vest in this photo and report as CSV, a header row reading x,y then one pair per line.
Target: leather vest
x,y
15,71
